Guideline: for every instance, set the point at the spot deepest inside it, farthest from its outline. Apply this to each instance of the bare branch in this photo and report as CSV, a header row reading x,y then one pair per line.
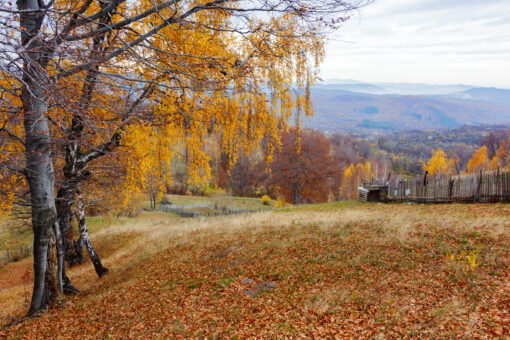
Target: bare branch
x,y
114,141
8,167
120,24
13,136
139,40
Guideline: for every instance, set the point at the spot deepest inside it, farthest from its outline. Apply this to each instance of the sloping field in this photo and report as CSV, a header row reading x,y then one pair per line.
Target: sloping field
x,y
334,270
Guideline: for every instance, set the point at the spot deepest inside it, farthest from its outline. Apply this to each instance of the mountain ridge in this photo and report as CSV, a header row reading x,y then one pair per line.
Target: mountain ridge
x,y
338,109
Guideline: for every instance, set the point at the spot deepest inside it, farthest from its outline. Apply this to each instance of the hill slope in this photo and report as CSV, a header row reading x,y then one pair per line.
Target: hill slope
x,y
491,95
393,88
344,270
340,110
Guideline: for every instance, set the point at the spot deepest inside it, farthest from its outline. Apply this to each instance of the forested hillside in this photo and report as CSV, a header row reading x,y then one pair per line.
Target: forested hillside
x,y
341,110
323,168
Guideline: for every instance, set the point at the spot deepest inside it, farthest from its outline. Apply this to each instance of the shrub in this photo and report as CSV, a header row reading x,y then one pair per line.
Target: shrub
x,y
211,191
280,203
266,200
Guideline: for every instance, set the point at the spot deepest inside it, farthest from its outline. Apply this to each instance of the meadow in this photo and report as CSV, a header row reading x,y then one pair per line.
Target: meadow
x,y
328,270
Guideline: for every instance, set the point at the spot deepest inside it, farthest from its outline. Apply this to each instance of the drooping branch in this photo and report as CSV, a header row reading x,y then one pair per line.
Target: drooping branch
x,y
139,40
119,25
116,137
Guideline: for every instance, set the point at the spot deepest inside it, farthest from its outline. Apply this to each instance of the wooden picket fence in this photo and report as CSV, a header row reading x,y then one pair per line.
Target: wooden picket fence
x,y
14,255
484,187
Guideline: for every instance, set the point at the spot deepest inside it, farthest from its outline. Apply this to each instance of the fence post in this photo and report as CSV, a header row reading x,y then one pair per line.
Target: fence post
x,y
450,188
478,187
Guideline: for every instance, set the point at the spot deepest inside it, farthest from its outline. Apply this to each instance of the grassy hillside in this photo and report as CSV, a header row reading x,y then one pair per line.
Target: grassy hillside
x,y
338,269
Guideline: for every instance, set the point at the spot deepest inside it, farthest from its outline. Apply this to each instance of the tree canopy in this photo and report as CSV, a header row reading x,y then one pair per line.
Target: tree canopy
x,y
82,79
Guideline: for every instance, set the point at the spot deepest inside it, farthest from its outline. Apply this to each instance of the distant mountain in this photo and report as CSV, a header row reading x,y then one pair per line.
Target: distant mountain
x,y
337,109
354,87
340,81
393,88
489,94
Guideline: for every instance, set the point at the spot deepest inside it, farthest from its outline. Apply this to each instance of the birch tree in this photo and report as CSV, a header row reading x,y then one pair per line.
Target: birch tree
x,y
80,74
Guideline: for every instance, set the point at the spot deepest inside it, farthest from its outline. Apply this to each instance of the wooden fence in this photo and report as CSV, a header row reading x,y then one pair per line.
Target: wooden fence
x,y
202,209
484,187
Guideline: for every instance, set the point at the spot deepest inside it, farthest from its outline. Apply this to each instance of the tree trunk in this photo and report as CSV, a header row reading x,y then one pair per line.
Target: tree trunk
x,y
64,215
64,202
60,257
84,237
39,167
40,176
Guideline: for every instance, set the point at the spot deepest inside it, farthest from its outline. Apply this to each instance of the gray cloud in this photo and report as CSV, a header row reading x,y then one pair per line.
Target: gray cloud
x,y
432,41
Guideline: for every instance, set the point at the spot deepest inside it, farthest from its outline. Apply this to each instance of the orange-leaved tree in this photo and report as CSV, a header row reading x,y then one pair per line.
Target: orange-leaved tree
x,y
480,161
502,158
304,169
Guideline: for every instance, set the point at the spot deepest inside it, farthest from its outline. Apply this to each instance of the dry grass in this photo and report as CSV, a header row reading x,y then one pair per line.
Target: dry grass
x,y
341,269
14,234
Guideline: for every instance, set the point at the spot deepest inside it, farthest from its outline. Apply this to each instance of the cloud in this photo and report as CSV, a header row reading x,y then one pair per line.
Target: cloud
x,y
432,41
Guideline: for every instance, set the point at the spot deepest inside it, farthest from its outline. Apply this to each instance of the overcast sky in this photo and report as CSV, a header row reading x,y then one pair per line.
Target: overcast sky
x,y
424,41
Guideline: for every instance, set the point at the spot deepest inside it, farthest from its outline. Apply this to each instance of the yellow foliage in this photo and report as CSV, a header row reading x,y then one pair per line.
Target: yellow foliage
x,y
466,261
480,161
439,164
280,203
352,179
349,172
11,150
7,190
502,158
266,200
209,81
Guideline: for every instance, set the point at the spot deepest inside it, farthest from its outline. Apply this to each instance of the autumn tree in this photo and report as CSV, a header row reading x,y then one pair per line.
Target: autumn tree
x,y
493,155
439,164
480,161
344,154
84,72
352,178
304,171
493,142
501,160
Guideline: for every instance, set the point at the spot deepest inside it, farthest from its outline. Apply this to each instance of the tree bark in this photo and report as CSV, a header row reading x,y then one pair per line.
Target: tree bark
x,y
40,175
85,240
39,167
60,257
64,215
74,170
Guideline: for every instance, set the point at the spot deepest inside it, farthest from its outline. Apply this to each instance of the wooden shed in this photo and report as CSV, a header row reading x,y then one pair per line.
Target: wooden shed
x,y
373,194
363,194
